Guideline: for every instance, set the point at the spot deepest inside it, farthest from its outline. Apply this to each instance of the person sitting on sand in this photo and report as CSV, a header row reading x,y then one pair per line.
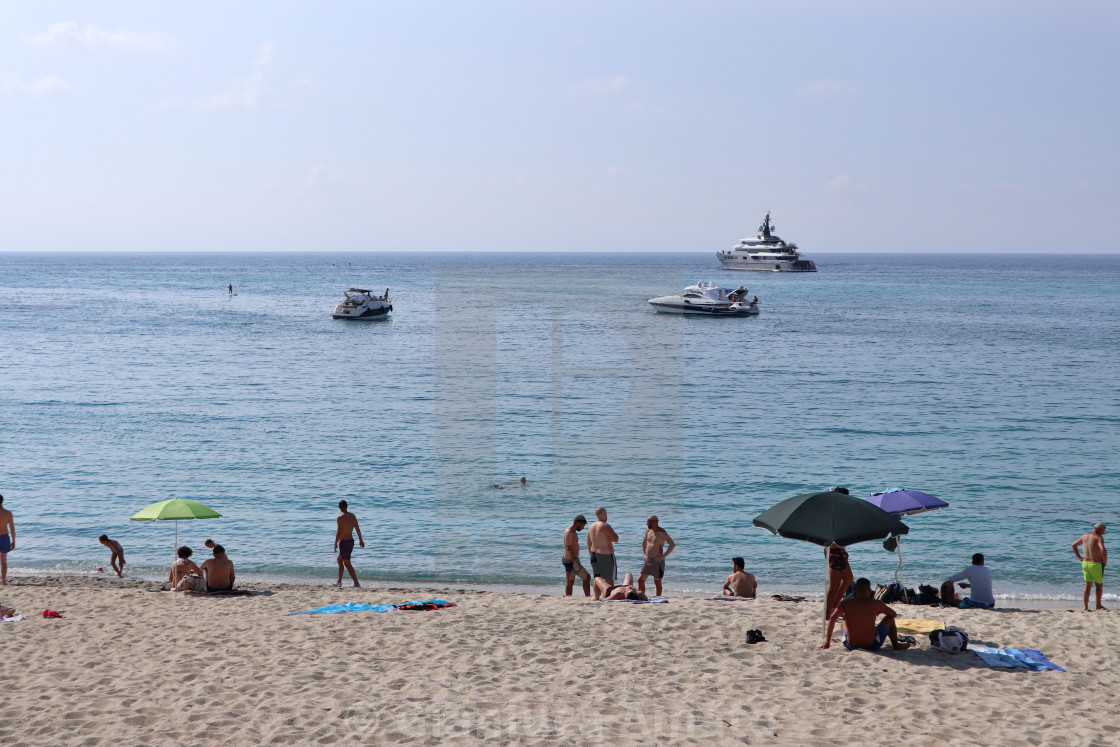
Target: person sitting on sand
x,y
860,614
116,560
185,575
949,596
519,484
219,571
739,583
605,590
979,579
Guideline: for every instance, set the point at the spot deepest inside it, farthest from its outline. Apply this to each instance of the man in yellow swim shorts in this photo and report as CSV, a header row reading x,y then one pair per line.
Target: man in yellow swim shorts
x,y
1093,562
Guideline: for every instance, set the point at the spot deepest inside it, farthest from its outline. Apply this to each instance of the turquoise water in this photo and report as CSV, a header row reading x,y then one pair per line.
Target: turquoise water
x,y
988,380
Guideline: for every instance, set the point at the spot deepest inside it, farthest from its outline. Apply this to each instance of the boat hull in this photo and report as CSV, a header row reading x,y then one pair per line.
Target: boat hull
x,y
768,264
672,308
365,315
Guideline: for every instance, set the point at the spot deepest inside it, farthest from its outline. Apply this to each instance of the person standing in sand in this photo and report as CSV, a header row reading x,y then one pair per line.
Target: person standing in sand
x,y
860,630
7,539
116,560
572,566
740,583
839,576
344,542
1093,562
600,543
654,553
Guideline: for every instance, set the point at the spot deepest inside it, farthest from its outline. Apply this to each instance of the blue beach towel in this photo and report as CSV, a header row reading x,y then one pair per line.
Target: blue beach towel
x,y
1028,658
334,609
655,600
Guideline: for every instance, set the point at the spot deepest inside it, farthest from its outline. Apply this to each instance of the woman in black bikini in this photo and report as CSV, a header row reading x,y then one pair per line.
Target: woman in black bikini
x,y
613,592
839,577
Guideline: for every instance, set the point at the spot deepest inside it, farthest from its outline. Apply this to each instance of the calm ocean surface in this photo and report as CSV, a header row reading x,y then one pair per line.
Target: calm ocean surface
x,y
988,380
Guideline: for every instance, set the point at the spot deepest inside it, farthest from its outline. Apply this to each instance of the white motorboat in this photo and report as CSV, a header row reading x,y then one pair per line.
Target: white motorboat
x,y
707,299
766,252
363,304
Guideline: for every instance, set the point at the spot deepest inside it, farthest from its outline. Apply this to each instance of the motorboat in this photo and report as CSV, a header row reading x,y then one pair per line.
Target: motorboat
x,y
361,304
707,299
766,252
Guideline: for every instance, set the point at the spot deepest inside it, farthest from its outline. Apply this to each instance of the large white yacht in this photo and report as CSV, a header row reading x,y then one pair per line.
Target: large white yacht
x,y
363,304
707,299
766,252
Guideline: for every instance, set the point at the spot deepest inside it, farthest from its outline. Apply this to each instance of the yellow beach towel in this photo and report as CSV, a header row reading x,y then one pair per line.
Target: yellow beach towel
x,y
918,626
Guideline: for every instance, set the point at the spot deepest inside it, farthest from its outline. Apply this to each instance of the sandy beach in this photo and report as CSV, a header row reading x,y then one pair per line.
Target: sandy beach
x,y
128,664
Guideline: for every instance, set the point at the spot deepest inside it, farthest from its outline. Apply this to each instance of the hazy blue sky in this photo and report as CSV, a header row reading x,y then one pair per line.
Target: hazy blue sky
x,y
582,126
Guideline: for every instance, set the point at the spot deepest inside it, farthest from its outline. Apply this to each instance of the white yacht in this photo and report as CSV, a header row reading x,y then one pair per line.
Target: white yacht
x,y
363,304
707,299
766,252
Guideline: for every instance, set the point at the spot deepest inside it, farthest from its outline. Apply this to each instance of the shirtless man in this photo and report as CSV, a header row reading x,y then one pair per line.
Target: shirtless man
x,y
654,554
860,630
116,560
1093,562
572,566
739,583
7,539
607,591
344,542
600,543
219,571
519,484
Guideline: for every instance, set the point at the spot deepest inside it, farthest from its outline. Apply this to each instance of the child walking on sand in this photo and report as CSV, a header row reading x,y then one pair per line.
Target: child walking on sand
x,y
117,559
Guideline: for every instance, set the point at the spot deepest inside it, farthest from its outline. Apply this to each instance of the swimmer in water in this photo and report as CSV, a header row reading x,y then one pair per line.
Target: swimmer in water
x,y
519,484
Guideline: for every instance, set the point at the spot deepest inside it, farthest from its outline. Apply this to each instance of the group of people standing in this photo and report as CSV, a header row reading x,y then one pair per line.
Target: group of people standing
x,y
656,547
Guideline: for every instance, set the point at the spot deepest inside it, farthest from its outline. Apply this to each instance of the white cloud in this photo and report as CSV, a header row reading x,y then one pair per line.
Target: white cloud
x,y
68,37
828,89
594,88
248,91
49,85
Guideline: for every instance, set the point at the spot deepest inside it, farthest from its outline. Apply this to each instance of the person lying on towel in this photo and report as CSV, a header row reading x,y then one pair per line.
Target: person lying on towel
x,y
612,592
860,614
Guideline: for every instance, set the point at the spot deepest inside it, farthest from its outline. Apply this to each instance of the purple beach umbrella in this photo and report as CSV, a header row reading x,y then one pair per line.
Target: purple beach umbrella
x,y
902,502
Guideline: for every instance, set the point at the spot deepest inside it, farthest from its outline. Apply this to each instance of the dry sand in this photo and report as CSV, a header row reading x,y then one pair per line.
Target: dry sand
x,y
128,665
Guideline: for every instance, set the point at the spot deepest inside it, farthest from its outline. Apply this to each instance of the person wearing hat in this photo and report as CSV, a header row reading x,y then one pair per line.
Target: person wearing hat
x,y
572,566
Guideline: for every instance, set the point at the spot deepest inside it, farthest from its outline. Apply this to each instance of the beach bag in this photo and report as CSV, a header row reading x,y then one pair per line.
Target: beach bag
x,y
952,640
191,583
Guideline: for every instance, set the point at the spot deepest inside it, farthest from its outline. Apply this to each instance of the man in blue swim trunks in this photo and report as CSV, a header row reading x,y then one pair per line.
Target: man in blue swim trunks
x,y
344,542
7,539
860,614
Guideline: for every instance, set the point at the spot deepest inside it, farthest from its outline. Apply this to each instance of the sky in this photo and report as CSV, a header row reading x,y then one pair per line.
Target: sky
x,y
877,126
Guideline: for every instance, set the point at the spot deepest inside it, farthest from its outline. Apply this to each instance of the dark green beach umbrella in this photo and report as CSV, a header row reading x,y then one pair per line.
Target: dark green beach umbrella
x,y
827,517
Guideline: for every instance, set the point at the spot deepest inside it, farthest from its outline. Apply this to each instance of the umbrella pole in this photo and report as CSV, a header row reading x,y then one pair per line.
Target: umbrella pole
x,y
898,546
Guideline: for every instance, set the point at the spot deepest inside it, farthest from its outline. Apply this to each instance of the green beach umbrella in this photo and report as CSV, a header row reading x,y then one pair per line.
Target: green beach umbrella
x,y
175,509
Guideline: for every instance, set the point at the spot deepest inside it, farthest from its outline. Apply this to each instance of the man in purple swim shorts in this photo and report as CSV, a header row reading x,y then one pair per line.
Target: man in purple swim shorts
x,y
7,539
344,541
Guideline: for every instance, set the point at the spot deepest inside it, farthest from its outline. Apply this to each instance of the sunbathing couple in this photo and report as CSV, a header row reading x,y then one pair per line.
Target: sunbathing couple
x,y
216,573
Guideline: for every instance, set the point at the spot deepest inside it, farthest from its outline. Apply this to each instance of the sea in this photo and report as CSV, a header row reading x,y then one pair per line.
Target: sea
x,y
988,380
